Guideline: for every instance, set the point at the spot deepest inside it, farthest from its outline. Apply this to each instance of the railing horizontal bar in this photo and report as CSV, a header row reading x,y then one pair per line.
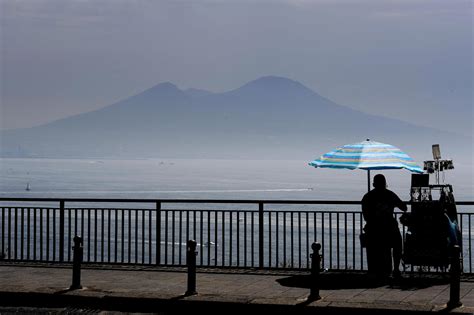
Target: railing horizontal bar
x,y
112,200
182,200
205,210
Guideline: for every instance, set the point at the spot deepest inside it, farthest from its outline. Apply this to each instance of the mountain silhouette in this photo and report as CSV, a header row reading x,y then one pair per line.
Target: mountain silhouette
x,y
270,117
197,92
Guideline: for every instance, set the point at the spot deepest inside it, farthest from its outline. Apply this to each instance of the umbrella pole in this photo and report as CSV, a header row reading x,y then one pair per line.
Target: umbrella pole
x,y
368,180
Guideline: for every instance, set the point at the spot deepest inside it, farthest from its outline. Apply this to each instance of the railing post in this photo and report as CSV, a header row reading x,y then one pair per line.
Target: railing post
x,y
260,235
61,230
455,284
315,270
191,254
76,264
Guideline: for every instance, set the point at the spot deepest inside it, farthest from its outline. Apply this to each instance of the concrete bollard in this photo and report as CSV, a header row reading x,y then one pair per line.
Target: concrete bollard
x,y
455,284
76,264
315,270
191,254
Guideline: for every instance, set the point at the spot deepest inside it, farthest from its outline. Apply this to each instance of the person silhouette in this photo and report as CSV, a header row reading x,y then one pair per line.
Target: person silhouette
x,y
382,230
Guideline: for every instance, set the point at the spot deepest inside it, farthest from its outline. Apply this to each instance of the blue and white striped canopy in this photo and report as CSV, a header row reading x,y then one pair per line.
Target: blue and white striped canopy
x,y
367,155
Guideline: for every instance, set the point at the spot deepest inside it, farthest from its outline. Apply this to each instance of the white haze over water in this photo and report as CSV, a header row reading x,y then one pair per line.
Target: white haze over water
x,y
202,179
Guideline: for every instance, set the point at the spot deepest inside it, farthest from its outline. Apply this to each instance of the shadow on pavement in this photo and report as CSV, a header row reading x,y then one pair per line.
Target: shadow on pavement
x,y
336,281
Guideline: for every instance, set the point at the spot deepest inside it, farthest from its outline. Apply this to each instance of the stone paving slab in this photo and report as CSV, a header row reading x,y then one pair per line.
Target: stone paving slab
x,y
163,291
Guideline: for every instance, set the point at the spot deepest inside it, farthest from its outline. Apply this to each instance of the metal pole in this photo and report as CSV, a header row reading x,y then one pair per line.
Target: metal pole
x,y
455,285
368,180
191,262
76,265
315,269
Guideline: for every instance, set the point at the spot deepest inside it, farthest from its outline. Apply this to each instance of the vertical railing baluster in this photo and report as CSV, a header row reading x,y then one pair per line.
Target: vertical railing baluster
x,y
109,236
9,234
136,235
54,234
28,241
238,238
353,242
143,236
116,235
277,240
246,240
307,250
216,219
323,246
269,238
75,223
209,238
361,248
122,248
88,235
260,235
180,236
173,236
102,235
158,233
150,234
69,232
223,238
315,224
34,232
284,240
194,225
61,230
252,234
330,240
315,228
187,225
129,236
470,245
95,235
41,233
338,234
88,231
15,248
345,239
299,239
3,231
201,238
166,237
47,234
22,232
292,265
230,238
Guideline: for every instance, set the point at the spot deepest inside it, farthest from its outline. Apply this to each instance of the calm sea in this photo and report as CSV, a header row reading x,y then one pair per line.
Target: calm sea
x,y
201,179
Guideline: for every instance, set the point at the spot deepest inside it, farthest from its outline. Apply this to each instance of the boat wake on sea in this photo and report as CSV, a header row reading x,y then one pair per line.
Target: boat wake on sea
x,y
171,191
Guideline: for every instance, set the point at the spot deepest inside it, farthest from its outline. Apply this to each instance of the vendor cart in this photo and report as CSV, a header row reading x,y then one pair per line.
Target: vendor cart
x,y
431,227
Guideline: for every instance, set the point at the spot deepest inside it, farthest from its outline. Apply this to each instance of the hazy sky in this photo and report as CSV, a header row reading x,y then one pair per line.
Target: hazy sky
x,y
407,59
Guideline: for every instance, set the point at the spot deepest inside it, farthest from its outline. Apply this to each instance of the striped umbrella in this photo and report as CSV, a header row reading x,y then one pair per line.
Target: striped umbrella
x,y
367,155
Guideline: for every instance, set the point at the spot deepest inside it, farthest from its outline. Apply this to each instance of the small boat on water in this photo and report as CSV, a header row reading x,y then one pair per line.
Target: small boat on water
x,y
27,187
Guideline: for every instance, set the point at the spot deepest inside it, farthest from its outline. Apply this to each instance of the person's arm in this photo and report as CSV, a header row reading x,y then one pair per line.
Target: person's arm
x,y
365,208
399,203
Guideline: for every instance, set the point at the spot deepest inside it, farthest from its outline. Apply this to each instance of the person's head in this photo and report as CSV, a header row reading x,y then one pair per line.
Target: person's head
x,y
380,182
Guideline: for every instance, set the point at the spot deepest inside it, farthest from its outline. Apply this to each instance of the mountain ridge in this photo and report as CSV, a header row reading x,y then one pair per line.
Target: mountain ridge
x,y
269,116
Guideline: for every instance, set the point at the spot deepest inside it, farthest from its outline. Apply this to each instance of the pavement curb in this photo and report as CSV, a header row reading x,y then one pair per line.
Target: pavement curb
x,y
197,304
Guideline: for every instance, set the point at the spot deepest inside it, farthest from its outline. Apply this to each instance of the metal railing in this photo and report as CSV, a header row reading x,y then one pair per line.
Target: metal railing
x,y
229,233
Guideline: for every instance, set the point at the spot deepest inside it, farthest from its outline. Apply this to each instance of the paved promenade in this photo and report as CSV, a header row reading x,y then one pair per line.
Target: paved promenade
x,y
161,291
